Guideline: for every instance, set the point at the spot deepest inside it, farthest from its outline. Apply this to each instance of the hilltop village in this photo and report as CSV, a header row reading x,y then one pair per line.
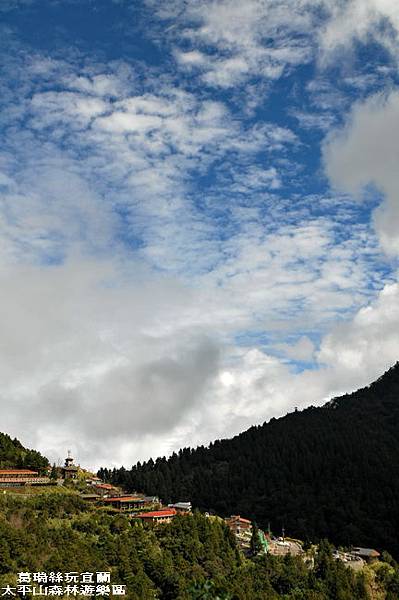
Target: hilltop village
x,y
150,509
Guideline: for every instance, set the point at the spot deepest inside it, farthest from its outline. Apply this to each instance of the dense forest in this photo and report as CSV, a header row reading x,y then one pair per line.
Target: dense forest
x,y
191,558
331,471
14,455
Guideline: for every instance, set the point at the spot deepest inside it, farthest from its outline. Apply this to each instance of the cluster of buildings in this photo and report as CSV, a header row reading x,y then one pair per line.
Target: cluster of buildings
x,y
136,506
148,509
27,477
243,530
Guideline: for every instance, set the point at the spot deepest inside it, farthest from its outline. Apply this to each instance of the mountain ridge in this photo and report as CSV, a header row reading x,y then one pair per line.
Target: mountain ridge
x,y
329,471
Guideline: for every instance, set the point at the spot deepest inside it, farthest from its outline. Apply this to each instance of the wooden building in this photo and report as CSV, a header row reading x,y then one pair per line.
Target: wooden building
x,y
20,477
367,554
242,529
105,489
69,470
239,525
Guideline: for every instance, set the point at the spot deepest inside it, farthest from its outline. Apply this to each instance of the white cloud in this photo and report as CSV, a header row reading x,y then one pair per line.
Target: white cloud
x,y
256,386
192,58
237,33
103,84
366,152
370,342
140,153
315,121
357,20
81,353
264,39
53,108
48,208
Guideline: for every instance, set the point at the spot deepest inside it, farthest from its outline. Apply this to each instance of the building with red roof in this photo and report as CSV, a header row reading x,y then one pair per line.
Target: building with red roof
x,y
104,489
241,528
164,515
20,477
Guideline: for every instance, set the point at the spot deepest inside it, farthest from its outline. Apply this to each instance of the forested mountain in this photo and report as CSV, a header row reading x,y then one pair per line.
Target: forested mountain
x,y
331,471
14,455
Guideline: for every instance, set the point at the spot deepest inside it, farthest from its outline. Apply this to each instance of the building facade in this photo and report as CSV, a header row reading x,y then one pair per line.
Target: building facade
x,y
69,470
164,515
21,477
242,530
127,503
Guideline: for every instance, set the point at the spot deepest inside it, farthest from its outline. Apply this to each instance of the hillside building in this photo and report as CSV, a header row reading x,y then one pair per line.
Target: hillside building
x,y
105,489
242,530
367,554
69,470
129,503
21,477
181,507
164,515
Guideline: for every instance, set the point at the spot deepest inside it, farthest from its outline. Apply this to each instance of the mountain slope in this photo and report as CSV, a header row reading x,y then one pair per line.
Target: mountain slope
x,y
13,454
331,471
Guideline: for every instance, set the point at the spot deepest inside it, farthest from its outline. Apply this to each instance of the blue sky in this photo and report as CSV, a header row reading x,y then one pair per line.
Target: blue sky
x,y
198,215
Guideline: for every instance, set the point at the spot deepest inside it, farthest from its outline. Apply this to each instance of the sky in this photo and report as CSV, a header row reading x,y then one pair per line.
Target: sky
x,y
199,216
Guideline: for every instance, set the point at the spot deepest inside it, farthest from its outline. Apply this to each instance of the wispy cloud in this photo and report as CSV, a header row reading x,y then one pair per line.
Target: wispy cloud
x,y
229,43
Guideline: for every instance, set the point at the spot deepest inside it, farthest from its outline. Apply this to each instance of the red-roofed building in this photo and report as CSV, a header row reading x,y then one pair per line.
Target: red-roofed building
x,y
158,516
104,489
18,472
20,477
242,529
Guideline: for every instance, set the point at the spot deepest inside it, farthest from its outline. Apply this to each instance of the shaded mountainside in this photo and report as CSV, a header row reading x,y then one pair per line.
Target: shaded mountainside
x,y
331,471
14,455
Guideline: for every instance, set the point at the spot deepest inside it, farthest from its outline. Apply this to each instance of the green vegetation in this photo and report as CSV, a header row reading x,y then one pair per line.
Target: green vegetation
x,y
328,472
256,545
193,557
14,456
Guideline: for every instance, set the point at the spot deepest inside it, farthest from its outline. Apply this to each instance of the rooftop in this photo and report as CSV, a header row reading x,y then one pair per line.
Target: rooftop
x,y
167,512
186,505
238,518
366,551
17,472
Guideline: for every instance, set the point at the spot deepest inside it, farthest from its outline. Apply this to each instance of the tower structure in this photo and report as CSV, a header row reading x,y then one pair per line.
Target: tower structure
x,y
69,470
